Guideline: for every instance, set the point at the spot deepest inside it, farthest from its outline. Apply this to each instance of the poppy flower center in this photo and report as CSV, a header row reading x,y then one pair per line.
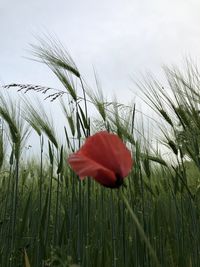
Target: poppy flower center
x,y
119,180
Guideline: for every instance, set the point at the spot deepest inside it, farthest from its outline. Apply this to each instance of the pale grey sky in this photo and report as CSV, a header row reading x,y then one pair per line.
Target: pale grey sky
x,y
119,38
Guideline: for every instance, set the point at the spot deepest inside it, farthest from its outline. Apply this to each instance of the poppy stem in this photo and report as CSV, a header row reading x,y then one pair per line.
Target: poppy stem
x,y
140,229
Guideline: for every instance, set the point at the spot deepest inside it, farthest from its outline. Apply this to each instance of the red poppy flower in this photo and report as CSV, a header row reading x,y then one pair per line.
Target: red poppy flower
x,y
103,157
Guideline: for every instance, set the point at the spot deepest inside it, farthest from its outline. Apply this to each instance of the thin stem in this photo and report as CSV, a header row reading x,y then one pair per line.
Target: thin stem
x,y
85,103
41,173
140,229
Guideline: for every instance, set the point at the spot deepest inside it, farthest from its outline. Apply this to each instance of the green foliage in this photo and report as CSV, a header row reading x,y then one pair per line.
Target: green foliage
x,y
48,217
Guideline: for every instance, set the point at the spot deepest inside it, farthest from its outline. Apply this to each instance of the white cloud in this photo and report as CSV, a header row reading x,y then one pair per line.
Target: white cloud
x,y
117,37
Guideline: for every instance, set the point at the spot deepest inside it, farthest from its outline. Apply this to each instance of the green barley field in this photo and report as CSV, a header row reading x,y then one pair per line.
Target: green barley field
x,y
48,217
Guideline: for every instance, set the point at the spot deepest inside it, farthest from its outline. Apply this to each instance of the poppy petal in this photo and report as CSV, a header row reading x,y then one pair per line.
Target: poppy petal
x,y
109,151
85,166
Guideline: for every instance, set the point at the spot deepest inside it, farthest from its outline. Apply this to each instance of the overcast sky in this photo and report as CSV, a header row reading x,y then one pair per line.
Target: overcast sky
x,y
119,38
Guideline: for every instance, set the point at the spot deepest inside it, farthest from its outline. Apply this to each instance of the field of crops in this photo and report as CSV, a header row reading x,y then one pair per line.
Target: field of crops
x,y
49,217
